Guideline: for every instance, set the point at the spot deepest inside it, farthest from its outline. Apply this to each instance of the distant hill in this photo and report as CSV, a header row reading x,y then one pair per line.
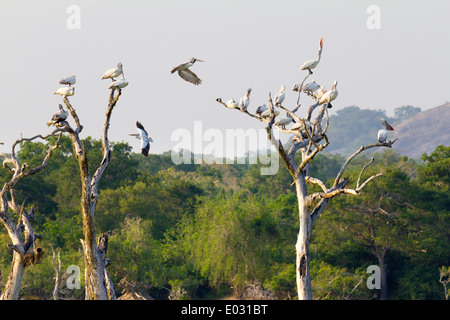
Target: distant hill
x,y
423,132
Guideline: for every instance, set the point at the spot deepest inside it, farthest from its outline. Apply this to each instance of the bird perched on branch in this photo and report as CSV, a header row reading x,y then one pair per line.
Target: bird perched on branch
x,y
69,80
383,133
145,139
58,117
261,109
309,88
245,100
185,73
65,91
311,64
232,104
113,73
279,97
119,84
329,95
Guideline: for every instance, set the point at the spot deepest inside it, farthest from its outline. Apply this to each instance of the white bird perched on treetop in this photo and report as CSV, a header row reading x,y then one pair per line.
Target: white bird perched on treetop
x,y
261,109
266,113
113,73
283,122
382,134
311,64
145,139
65,91
69,80
279,97
245,100
309,88
185,73
329,95
58,117
119,84
232,104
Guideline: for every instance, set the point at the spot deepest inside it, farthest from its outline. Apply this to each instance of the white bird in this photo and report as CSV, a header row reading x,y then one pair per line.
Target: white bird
x,y
319,92
69,80
232,104
382,134
266,113
309,88
261,109
245,100
311,64
329,95
58,117
279,97
113,73
145,139
299,126
65,91
119,84
185,73
283,122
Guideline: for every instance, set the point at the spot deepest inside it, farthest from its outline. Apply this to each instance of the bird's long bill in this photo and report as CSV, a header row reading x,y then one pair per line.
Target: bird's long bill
x,y
389,127
134,134
199,60
321,42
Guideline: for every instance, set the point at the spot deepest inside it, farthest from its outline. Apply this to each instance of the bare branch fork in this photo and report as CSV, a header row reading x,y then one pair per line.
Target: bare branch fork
x,y
309,138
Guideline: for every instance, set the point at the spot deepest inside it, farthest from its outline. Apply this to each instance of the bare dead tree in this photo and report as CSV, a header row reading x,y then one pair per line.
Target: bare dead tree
x,y
25,251
57,268
309,138
98,282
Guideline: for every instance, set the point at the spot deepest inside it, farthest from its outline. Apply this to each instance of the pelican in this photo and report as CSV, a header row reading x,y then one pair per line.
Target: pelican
x,y
279,97
65,91
59,116
186,74
299,126
283,122
119,84
382,134
266,113
69,80
145,139
311,64
309,88
245,100
319,92
329,95
261,109
113,73
232,104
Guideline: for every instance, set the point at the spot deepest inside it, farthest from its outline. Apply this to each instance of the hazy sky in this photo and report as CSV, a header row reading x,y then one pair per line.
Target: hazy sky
x,y
257,44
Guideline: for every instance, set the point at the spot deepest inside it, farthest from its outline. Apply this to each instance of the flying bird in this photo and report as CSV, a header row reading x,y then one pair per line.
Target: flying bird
x,y
119,84
329,96
382,134
185,73
145,139
279,97
113,73
69,80
311,64
245,100
58,117
65,91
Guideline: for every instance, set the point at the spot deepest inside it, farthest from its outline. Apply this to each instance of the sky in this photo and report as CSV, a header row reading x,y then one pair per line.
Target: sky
x,y
384,54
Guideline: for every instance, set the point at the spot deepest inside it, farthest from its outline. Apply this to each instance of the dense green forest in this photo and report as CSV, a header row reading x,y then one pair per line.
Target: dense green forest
x,y
215,231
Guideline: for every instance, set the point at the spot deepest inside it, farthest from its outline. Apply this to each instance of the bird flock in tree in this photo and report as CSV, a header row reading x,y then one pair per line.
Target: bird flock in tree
x,y
312,89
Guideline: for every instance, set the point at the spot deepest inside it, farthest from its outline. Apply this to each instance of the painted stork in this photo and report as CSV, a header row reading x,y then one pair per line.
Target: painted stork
x,y
279,97
119,84
329,95
58,117
113,73
65,91
69,80
143,136
382,134
245,100
311,64
186,74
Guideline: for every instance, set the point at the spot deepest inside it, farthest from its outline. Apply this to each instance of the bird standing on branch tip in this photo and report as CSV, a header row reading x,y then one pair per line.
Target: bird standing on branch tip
x,y
145,139
329,96
245,100
311,64
69,80
279,97
185,73
119,84
65,91
114,72
58,117
382,134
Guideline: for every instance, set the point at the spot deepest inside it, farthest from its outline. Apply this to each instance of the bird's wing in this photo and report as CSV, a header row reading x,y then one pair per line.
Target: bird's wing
x,y
189,76
142,131
307,64
145,149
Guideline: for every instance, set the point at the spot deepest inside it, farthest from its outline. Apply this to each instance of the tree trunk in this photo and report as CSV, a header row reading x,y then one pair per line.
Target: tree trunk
x,y
383,276
14,283
303,240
